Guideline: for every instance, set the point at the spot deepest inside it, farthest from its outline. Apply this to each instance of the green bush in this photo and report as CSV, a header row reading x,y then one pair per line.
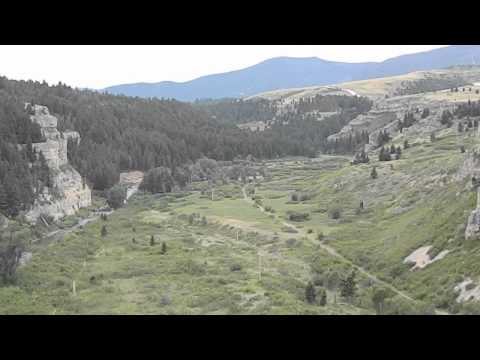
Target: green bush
x,y
298,217
335,213
235,267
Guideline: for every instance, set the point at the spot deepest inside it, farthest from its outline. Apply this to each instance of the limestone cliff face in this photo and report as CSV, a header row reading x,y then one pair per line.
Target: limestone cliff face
x,y
471,168
68,192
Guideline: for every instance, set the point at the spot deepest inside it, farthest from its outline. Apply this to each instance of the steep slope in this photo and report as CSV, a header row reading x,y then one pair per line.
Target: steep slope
x,y
284,72
67,192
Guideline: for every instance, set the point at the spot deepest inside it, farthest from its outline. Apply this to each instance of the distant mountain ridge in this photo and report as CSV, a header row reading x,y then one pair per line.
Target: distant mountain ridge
x,y
287,72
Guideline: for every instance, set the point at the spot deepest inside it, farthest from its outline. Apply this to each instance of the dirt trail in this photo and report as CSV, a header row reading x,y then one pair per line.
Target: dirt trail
x,y
333,252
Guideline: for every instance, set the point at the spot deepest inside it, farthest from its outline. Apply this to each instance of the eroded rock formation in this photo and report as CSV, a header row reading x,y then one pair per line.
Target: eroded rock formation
x,y
68,192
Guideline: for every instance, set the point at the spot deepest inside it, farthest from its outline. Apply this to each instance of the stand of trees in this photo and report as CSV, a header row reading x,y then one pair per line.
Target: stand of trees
x,y
23,174
121,133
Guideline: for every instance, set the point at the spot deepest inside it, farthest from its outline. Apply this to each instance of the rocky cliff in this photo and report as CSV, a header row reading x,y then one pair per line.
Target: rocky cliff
x,y
471,168
68,192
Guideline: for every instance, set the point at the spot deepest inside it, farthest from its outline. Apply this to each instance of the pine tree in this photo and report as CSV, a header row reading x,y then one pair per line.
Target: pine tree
x,y
392,149
310,294
348,286
378,299
164,248
322,295
374,174
152,240
425,113
406,145
104,231
3,199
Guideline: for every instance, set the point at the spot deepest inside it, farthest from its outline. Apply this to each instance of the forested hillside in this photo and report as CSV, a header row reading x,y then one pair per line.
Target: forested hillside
x,y
122,133
19,182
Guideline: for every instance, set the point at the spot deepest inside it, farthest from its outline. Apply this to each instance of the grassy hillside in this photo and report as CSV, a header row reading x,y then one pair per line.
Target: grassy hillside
x,y
212,265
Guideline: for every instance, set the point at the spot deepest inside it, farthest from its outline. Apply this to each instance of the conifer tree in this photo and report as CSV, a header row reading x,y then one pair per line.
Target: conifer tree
x,y
152,240
310,294
104,231
348,286
374,174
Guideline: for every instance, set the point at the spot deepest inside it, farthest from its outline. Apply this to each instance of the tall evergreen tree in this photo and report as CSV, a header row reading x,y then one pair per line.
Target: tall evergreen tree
x,y
310,293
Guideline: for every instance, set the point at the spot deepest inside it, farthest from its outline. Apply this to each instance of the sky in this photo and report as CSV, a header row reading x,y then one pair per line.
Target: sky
x,y
99,66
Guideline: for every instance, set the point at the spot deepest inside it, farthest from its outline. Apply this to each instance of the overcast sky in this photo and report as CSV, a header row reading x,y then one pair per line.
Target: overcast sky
x,y
99,66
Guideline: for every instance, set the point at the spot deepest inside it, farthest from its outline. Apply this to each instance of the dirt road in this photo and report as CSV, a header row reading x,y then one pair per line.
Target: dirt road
x,y
333,252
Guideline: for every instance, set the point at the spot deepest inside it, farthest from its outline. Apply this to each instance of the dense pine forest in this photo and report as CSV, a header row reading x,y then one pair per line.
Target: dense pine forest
x,y
19,181
122,133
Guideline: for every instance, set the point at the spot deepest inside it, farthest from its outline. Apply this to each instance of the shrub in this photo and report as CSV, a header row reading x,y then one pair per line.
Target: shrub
x,y
322,297
235,267
298,217
116,196
335,213
310,294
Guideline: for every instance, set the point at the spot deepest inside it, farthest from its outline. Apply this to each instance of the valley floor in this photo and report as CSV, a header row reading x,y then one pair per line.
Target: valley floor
x,y
240,252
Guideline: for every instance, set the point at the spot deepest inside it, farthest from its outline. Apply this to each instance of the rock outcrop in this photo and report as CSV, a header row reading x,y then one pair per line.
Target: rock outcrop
x,y
68,192
471,168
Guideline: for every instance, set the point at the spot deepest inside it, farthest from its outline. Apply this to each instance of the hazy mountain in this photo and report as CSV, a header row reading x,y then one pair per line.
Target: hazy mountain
x,y
285,72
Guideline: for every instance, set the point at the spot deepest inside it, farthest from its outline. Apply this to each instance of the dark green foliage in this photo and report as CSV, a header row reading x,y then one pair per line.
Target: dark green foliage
x,y
406,145
446,118
361,158
164,248
158,180
116,196
373,173
298,217
348,144
384,155
408,120
348,286
104,231
335,213
238,111
425,113
235,267
383,138
11,250
310,293
152,240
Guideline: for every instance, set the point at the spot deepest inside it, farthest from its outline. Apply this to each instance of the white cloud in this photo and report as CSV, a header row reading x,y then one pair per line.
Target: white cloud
x,y
98,66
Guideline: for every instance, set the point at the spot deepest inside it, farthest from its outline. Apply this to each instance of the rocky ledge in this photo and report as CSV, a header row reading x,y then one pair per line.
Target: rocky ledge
x,y
68,192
